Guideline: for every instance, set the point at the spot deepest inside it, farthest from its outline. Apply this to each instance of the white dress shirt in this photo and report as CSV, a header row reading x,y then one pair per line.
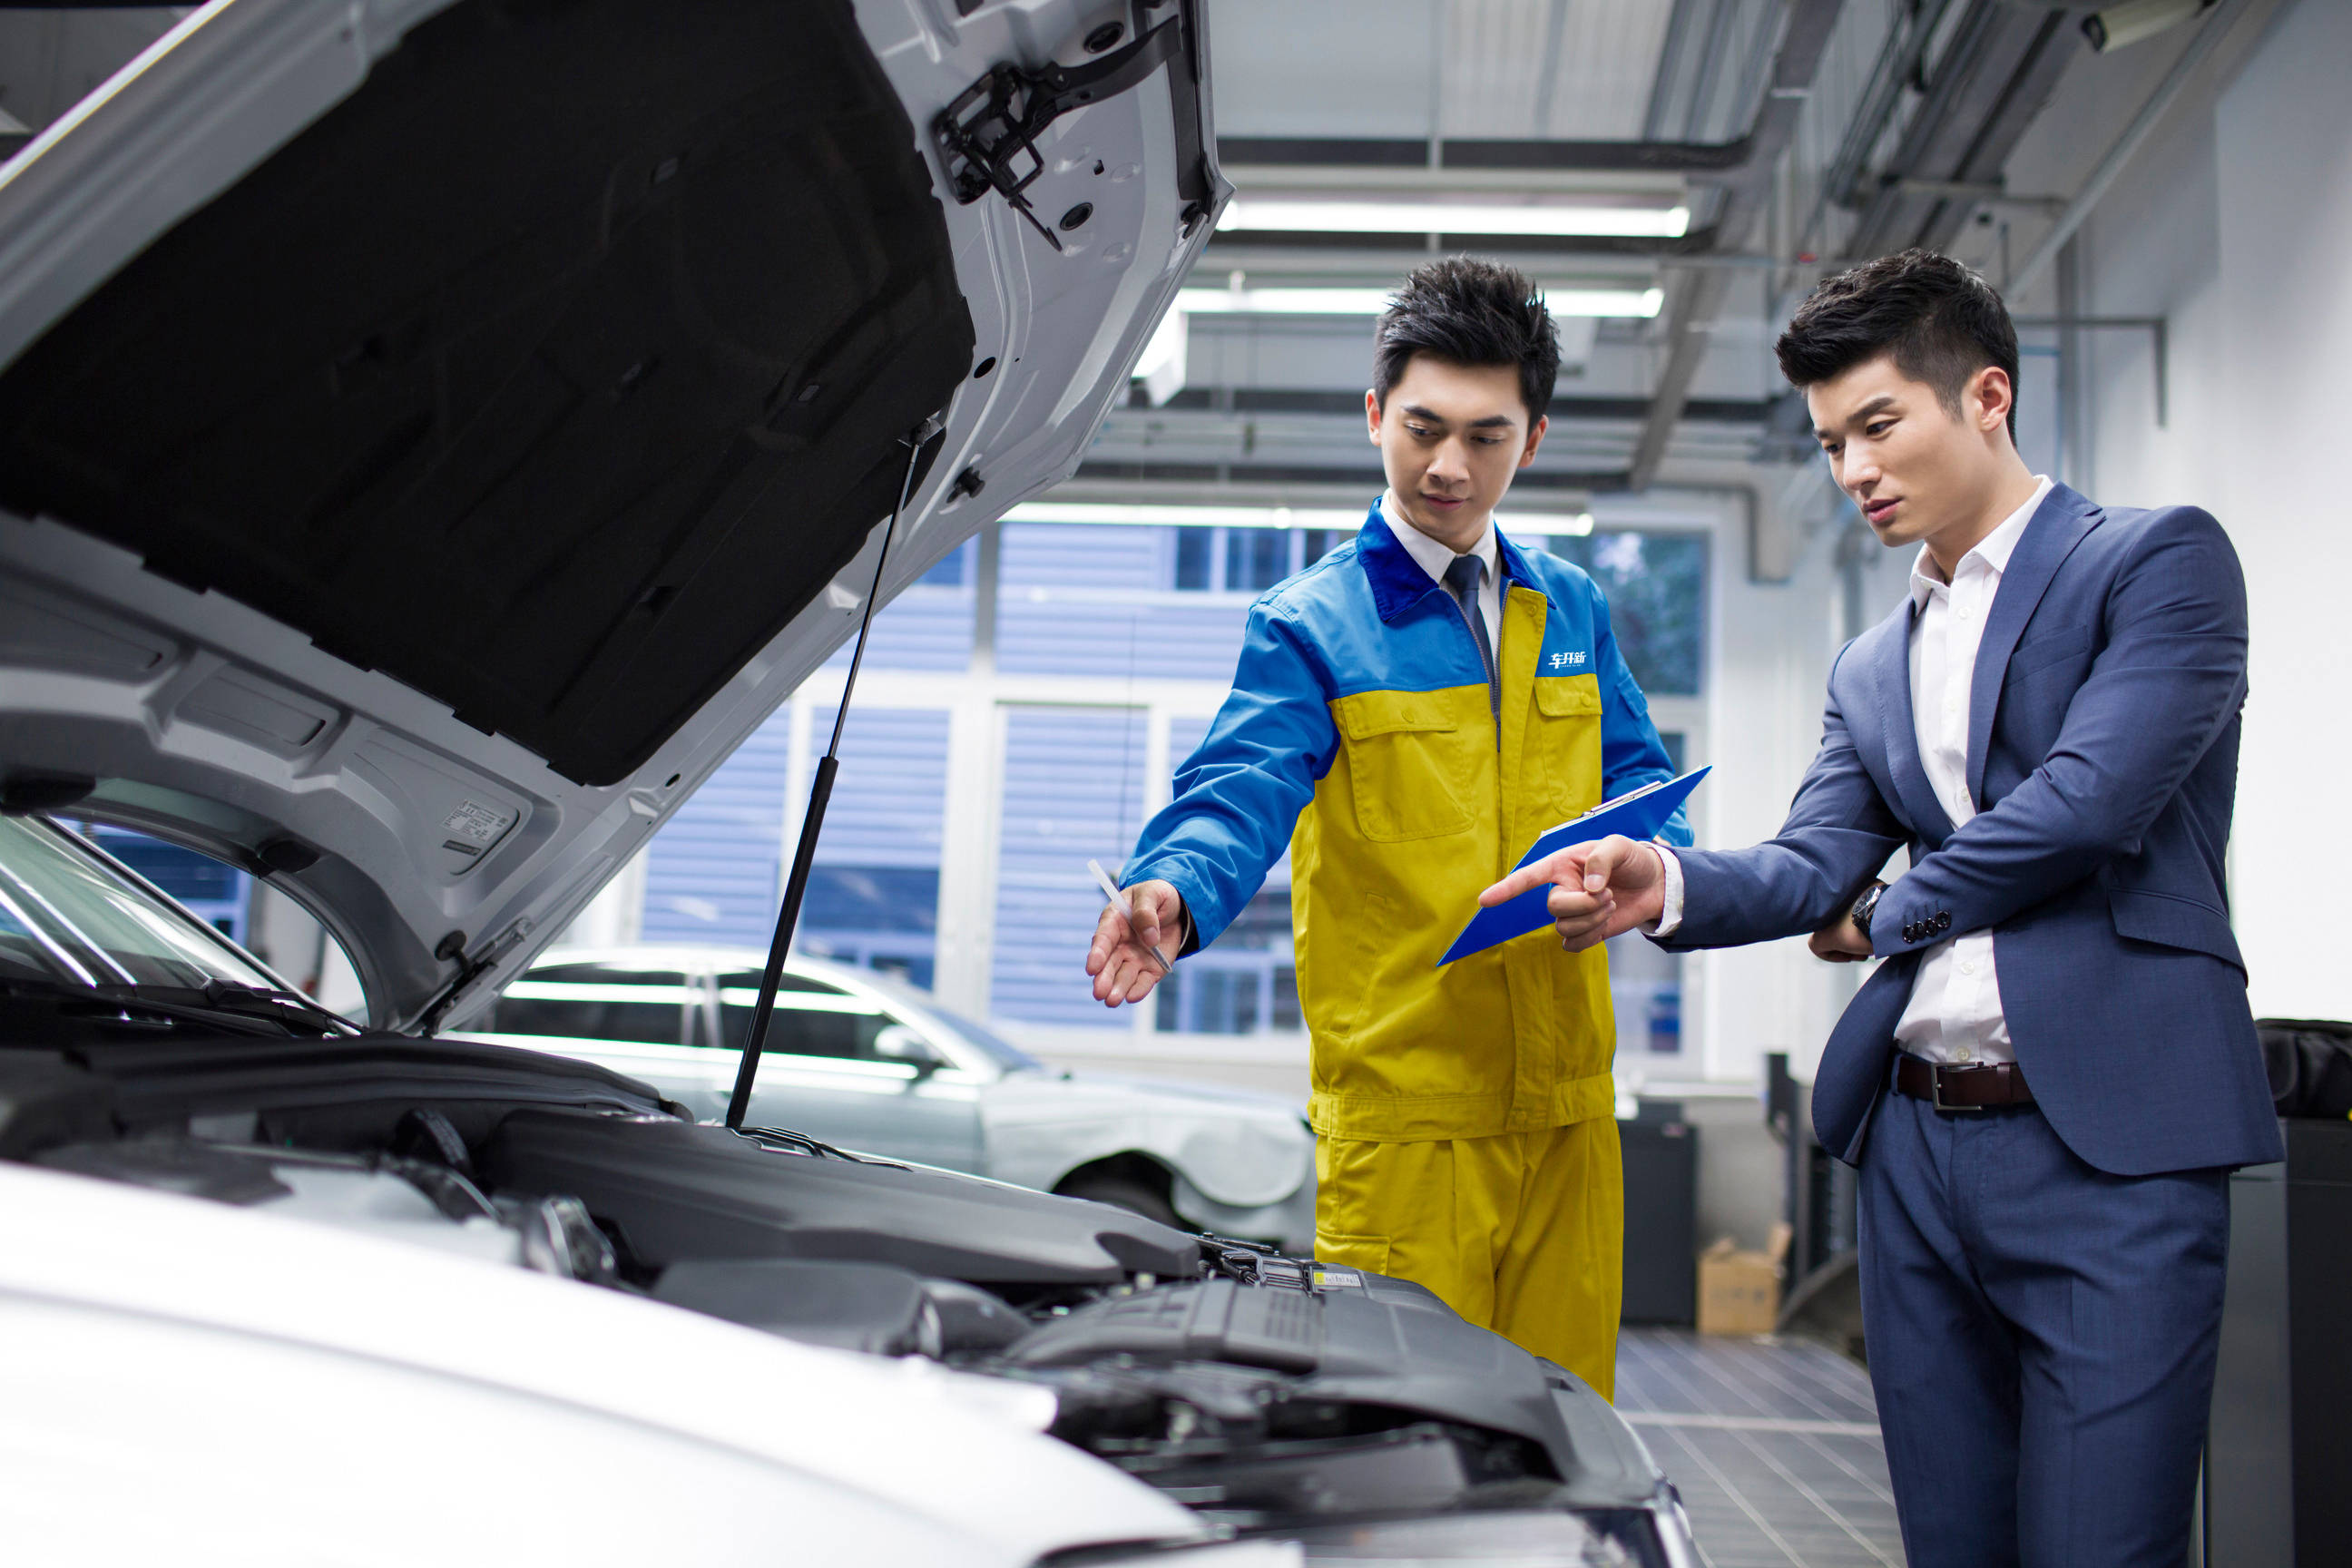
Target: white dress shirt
x,y
1954,1014
1435,556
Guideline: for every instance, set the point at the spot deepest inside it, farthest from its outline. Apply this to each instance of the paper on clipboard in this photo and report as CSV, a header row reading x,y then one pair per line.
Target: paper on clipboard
x,y
1638,814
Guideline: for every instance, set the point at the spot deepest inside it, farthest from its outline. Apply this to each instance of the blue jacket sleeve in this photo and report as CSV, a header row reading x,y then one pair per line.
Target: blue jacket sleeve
x,y
1838,833
2168,682
1631,755
1239,795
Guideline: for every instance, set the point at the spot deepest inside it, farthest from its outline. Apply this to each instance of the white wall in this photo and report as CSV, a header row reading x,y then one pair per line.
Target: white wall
x,y
2235,223
1767,677
2284,135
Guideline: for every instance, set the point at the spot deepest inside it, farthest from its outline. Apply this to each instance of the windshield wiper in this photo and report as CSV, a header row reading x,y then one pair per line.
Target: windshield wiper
x,y
785,1138
244,1009
268,1002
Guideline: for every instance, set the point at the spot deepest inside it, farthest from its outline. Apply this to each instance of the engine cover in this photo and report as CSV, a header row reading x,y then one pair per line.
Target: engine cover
x,y
670,1192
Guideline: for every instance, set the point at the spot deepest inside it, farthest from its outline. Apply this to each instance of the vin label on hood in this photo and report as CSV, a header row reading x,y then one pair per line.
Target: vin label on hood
x,y
477,823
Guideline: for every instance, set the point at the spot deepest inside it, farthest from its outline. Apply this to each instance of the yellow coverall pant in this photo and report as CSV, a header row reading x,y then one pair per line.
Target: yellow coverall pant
x,y
1522,1233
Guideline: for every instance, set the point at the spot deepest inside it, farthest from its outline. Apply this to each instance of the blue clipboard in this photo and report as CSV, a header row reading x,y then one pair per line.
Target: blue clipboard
x,y
1637,815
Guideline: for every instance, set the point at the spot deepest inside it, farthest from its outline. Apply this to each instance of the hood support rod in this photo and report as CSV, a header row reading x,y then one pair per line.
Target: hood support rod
x,y
820,792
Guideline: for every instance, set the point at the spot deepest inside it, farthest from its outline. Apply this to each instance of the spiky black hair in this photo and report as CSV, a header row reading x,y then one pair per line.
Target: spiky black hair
x,y
1472,313
1941,321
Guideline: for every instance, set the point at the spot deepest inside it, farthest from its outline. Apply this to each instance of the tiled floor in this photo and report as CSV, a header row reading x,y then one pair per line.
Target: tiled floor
x,y
1773,1444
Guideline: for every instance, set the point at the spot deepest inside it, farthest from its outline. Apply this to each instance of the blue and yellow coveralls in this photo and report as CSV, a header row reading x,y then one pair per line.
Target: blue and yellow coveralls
x,y
1468,1140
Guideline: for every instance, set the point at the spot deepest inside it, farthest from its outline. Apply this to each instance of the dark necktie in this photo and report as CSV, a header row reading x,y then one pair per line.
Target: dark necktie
x,y
1462,580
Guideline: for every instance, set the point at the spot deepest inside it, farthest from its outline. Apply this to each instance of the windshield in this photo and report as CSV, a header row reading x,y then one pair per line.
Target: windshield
x,y
1003,1052
68,914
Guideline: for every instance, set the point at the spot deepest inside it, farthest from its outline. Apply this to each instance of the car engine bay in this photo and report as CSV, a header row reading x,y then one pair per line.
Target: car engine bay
x,y
1267,1394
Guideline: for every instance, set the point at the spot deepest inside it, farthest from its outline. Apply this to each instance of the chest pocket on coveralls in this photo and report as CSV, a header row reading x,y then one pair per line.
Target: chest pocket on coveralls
x,y
1564,749
1407,765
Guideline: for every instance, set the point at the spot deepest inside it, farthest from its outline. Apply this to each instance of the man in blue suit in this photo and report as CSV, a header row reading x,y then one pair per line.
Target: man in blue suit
x,y
2046,1080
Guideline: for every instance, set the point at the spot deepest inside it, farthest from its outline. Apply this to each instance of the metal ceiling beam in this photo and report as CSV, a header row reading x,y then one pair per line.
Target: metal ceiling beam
x,y
1670,60
2216,23
1384,264
1743,168
1299,155
1997,73
1898,62
1697,299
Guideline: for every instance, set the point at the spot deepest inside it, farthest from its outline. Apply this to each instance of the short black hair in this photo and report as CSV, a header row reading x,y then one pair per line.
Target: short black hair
x,y
1940,320
1471,312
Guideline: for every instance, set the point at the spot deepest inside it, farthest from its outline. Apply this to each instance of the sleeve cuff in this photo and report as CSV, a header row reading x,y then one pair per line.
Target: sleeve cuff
x,y
1670,899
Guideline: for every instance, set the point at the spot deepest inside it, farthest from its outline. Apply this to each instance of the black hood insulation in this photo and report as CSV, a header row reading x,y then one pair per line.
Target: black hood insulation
x,y
552,374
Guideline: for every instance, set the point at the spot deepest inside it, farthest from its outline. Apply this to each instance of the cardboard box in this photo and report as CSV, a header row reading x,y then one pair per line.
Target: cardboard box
x,y
1739,1292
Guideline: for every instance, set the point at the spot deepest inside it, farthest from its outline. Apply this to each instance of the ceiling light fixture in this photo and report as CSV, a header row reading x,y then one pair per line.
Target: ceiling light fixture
x,y
1635,302
1210,516
1312,216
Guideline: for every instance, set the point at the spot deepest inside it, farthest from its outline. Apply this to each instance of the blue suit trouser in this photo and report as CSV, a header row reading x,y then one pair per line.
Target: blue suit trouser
x,y
2040,1336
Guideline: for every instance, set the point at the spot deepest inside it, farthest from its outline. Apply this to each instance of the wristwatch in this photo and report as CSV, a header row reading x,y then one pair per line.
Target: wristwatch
x,y
1864,907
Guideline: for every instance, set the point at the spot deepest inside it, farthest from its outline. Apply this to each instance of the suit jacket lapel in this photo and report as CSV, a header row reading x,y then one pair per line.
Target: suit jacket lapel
x,y
1890,666
2059,523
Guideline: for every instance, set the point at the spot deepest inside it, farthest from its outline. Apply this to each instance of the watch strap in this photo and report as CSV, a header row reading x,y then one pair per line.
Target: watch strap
x,y
1866,906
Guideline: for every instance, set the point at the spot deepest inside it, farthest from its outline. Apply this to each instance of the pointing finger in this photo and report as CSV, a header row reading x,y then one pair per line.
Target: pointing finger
x,y
1562,866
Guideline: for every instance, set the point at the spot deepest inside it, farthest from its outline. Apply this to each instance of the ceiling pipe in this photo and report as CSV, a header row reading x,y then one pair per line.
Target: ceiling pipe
x,y
2209,33
1803,44
1743,168
1670,60
1989,86
1898,59
1710,67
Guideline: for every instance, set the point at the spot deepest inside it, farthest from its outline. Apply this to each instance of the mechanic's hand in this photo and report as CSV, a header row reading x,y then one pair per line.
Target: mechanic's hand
x,y
1601,890
1117,960
1839,941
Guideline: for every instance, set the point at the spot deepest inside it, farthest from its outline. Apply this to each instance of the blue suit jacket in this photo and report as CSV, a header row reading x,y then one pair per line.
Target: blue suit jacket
x,y
2103,758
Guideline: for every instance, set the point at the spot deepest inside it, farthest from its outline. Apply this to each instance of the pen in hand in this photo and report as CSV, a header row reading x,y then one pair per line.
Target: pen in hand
x,y
1127,911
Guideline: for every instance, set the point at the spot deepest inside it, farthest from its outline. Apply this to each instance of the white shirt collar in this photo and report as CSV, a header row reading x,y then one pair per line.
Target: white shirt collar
x,y
1434,555
1994,548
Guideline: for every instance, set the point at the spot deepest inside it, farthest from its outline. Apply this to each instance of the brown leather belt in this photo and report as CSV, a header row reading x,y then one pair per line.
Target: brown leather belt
x,y
1981,1087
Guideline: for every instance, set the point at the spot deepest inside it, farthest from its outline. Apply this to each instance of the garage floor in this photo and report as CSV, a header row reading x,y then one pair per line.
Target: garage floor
x,y
1773,1444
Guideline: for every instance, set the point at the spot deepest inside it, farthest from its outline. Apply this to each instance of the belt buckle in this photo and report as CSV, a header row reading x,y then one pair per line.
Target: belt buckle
x,y
1935,1091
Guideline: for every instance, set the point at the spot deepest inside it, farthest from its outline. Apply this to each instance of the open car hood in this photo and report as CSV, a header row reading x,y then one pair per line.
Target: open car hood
x,y
433,436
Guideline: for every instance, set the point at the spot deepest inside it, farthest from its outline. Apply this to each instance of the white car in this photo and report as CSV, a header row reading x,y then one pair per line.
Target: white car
x,y
857,1059
432,433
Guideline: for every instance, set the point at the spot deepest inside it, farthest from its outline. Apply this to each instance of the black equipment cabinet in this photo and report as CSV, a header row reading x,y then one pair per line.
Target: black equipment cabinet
x,y
1660,1216
2280,1451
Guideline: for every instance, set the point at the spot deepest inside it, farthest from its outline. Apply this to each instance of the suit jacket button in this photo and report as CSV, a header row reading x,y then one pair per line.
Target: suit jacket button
x,y
1911,932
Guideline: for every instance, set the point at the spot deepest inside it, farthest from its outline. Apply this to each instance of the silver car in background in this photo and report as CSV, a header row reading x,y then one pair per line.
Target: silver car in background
x,y
859,1059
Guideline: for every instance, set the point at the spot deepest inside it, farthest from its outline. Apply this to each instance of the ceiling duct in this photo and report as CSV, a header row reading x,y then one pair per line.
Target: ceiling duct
x,y
1995,76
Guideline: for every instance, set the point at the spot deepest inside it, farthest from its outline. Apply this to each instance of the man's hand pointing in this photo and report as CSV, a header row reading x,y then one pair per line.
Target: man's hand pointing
x,y
1599,890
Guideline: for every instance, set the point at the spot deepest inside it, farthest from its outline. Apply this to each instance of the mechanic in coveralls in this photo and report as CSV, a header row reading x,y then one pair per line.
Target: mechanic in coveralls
x,y
1408,714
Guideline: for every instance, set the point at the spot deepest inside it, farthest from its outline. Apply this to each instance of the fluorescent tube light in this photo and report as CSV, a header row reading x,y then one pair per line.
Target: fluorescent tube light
x,y
1372,301
1312,216
1208,516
